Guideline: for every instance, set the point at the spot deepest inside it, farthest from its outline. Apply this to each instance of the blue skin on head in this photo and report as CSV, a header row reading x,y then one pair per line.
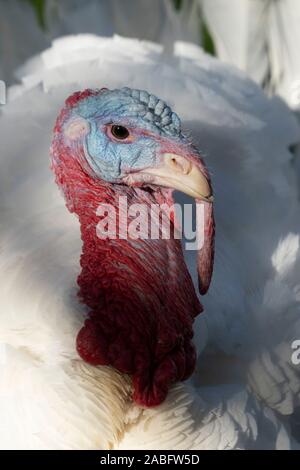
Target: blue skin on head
x,y
136,110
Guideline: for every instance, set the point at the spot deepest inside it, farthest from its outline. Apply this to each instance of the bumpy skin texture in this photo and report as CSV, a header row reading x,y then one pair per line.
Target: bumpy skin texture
x,y
140,294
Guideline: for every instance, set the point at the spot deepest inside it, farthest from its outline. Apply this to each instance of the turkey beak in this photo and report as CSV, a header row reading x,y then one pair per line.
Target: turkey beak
x,y
187,173
183,174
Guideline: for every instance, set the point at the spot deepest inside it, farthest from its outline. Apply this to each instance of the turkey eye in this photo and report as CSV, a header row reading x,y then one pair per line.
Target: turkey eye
x,y
119,132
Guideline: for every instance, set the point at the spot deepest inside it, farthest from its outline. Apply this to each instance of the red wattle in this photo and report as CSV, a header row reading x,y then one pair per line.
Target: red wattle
x,y
205,257
140,294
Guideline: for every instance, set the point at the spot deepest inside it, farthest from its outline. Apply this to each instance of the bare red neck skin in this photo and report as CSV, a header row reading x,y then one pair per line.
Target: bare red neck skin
x,y
140,294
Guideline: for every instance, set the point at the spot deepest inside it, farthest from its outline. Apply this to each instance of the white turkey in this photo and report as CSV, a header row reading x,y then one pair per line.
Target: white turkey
x,y
246,386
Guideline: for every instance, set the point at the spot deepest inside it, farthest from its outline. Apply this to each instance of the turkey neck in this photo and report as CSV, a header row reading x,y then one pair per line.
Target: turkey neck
x,y
140,293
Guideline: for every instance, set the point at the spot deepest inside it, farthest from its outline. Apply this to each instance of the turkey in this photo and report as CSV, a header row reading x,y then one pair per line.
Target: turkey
x,y
112,146
245,388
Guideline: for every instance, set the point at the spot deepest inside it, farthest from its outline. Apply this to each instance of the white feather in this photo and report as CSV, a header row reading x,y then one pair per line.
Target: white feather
x,y
267,45
250,319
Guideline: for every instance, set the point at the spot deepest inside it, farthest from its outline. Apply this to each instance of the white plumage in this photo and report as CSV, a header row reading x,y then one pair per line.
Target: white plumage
x,y
268,38
21,35
245,387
